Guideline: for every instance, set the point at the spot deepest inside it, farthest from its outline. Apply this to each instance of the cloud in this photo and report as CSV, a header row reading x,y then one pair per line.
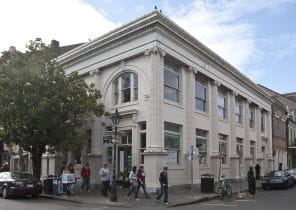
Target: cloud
x,y
223,27
68,21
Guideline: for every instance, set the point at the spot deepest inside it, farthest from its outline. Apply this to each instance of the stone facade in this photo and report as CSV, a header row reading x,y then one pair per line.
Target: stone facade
x,y
172,92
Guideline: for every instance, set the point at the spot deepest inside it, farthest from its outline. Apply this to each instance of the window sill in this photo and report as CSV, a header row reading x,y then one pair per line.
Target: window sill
x,y
224,120
173,103
125,104
202,113
240,125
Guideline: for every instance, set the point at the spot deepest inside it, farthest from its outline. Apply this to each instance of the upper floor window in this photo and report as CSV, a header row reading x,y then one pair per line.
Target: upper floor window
x,y
200,93
172,87
222,105
262,121
238,113
252,117
126,88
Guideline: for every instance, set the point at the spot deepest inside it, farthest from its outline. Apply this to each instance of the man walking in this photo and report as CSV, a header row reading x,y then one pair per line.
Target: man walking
x,y
85,174
141,182
163,180
105,179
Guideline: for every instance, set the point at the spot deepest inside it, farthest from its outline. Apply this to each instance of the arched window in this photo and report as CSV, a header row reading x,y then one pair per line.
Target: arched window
x,y
125,88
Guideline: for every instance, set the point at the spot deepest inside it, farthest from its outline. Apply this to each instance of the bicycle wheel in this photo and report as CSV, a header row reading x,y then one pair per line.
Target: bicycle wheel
x,y
228,191
221,193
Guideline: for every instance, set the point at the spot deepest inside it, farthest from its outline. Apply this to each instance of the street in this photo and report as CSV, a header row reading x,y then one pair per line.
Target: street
x,y
271,200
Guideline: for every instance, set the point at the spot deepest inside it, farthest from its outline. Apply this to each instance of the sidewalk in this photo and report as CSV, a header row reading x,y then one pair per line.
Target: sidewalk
x,y
178,197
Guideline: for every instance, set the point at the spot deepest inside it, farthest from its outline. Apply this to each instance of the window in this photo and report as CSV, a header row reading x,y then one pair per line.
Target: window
x,y
239,147
262,122
238,113
252,117
222,106
125,88
223,148
201,144
142,141
126,137
88,141
172,138
252,149
200,97
135,87
171,82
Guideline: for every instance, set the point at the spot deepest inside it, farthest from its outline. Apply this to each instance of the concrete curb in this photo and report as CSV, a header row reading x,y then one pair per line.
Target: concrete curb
x,y
61,198
199,200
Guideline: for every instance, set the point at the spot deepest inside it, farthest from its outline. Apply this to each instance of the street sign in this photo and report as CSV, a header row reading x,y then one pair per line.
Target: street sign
x,y
109,139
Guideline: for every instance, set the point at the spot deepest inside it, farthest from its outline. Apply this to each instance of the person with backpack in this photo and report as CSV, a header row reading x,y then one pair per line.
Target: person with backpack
x,y
163,180
134,183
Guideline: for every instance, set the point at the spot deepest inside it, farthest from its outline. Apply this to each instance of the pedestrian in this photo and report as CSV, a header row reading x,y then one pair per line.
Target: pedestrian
x,y
163,180
85,174
251,182
105,179
134,183
257,170
141,182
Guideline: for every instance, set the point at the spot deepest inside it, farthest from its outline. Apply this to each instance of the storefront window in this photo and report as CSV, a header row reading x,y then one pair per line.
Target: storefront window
x,y
172,139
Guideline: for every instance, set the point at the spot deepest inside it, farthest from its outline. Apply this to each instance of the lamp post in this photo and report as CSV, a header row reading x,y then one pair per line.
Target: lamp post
x,y
115,120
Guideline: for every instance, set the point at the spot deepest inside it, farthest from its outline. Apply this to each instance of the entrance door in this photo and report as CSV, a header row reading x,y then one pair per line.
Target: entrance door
x,y
124,159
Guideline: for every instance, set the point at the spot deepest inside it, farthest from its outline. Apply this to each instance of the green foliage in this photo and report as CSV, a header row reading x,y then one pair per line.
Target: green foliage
x,y
39,104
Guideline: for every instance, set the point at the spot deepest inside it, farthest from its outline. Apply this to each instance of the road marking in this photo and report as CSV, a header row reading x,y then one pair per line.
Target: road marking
x,y
217,204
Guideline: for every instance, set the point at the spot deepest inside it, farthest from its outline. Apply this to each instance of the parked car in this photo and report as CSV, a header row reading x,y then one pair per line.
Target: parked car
x,y
292,171
278,179
19,184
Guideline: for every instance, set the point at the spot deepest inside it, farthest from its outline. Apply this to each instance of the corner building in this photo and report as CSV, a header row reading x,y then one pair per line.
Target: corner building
x,y
171,92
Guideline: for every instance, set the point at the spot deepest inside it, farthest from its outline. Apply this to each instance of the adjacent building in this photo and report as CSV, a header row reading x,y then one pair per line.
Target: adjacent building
x,y
283,129
172,93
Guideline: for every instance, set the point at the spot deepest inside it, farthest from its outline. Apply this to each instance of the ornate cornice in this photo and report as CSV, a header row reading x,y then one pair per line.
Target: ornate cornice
x,y
155,50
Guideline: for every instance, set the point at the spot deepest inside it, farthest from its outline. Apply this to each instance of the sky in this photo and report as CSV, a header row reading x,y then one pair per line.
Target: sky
x,y
258,37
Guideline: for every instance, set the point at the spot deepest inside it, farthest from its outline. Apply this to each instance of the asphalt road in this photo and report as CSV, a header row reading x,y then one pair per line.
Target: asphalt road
x,y
264,200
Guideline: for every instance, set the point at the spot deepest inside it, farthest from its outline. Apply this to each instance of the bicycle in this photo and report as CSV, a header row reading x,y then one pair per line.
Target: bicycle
x,y
222,189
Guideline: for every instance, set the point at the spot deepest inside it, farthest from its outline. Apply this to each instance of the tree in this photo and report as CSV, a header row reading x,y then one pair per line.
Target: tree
x,y
42,106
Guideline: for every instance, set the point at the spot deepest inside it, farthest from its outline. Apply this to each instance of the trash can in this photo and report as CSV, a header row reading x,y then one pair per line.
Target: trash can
x,y
48,186
207,183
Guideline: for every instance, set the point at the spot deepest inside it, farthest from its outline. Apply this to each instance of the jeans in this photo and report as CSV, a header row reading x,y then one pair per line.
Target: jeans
x,y
163,190
134,189
85,182
105,186
144,190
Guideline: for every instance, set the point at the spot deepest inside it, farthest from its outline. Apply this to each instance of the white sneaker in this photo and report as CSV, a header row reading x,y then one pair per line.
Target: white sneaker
x,y
137,199
166,203
127,197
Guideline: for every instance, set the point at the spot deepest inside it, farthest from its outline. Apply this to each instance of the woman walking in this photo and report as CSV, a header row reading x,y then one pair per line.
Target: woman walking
x,y
134,182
